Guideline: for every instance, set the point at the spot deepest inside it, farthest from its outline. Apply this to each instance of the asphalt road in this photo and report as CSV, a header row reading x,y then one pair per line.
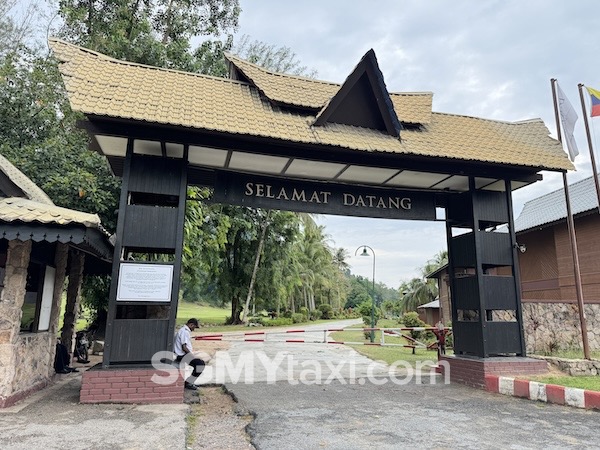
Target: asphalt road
x,y
334,398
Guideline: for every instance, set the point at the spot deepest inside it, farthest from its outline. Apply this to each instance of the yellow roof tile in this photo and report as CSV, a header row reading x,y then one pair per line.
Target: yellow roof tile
x,y
24,210
94,83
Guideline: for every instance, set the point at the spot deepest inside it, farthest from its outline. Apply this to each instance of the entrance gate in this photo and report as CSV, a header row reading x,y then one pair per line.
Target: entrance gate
x,y
276,141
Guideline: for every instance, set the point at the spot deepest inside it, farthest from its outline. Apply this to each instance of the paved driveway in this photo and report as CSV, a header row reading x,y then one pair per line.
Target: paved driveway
x,y
363,404
344,416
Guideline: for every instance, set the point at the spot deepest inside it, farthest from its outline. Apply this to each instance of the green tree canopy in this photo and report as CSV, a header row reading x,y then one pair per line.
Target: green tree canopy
x,y
154,32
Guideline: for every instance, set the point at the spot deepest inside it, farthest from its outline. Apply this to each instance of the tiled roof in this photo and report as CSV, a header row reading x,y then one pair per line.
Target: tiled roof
x,y
411,107
102,86
23,210
551,207
283,88
19,179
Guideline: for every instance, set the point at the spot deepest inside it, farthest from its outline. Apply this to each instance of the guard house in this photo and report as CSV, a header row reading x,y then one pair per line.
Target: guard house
x,y
41,246
272,140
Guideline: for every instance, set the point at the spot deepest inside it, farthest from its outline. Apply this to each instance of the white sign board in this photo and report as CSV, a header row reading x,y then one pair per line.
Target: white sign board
x,y
145,282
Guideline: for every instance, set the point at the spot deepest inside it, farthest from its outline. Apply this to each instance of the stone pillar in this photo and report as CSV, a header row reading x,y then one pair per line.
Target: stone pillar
x,y
73,298
11,304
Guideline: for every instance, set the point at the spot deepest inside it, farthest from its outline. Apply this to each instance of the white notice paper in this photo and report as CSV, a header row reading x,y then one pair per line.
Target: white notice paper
x,y
145,282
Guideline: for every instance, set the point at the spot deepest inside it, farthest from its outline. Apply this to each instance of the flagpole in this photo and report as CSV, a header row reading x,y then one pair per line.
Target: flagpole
x,y
590,147
573,239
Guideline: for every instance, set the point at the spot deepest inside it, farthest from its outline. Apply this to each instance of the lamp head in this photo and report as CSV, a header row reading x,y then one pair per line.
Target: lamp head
x,y
364,252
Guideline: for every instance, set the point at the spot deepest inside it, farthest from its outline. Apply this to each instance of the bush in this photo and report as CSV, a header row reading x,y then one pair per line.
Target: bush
x,y
326,311
411,319
315,314
287,313
298,318
365,310
258,320
279,322
304,311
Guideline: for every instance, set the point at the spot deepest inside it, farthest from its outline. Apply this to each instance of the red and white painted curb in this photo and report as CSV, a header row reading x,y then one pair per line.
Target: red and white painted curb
x,y
549,393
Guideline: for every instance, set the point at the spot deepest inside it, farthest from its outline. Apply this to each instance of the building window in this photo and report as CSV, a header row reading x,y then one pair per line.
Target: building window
x,y
30,305
39,291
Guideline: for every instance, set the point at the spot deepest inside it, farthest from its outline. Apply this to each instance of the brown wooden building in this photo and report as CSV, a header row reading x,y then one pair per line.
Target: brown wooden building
x,y
550,314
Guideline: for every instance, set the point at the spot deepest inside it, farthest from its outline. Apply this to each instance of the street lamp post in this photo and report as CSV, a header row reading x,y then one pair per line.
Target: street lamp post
x,y
365,253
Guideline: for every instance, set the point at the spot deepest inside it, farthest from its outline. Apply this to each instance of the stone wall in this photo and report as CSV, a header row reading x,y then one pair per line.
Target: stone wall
x,y
575,367
554,326
33,351
26,359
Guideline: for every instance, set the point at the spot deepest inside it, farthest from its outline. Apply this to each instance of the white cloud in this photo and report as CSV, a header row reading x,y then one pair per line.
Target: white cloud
x,y
491,59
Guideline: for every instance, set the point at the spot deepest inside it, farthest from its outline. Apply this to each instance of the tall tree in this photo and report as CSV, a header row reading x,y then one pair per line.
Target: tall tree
x,y
155,32
278,59
16,30
38,134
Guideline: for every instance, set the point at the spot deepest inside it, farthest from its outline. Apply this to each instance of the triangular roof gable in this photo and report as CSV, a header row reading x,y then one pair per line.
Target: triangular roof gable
x,y
363,100
14,183
311,95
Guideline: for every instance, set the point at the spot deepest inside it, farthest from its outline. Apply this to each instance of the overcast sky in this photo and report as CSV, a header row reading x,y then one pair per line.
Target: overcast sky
x,y
490,59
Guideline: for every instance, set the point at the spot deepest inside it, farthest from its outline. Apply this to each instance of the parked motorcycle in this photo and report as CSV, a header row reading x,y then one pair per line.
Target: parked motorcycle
x,y
82,345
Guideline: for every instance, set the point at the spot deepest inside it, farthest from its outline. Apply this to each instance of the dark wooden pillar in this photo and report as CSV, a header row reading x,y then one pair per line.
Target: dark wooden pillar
x,y
148,248
73,298
486,306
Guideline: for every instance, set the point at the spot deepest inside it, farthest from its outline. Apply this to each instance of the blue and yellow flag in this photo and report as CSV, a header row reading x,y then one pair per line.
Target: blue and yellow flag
x,y
595,96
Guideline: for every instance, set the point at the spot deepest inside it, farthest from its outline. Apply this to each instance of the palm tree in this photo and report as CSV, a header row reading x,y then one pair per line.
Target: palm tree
x,y
340,255
421,290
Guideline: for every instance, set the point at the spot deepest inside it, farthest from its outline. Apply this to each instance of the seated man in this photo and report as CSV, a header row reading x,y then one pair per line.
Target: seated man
x,y
182,346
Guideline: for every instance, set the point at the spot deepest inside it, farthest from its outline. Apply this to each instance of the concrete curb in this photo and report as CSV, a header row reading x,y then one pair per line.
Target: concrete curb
x,y
549,393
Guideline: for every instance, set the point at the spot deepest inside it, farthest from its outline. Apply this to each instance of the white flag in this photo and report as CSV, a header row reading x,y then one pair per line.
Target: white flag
x,y
568,118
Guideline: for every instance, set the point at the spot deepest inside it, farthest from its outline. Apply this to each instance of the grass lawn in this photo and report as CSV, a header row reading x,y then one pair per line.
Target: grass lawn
x,y
205,314
591,383
387,354
82,322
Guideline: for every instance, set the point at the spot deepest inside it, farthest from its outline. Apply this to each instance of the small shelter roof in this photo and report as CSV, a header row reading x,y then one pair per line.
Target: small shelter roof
x,y
26,212
436,273
434,304
15,209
